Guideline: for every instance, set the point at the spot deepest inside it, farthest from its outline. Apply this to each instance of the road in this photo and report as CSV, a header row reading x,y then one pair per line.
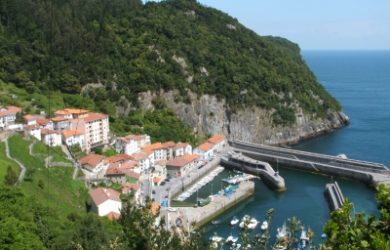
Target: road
x,y
22,167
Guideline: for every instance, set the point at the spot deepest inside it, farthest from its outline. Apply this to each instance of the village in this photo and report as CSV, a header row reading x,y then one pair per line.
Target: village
x,y
147,171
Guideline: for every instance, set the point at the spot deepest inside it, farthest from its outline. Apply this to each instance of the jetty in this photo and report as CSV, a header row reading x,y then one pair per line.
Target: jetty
x,y
258,168
334,195
369,172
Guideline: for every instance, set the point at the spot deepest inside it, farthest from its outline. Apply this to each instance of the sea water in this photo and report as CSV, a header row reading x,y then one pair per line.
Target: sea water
x,y
360,80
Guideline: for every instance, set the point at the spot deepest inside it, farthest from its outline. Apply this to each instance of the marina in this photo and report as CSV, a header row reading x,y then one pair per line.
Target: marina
x,y
199,184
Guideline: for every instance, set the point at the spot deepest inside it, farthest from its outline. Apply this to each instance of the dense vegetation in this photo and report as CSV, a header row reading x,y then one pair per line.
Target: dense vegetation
x,y
130,47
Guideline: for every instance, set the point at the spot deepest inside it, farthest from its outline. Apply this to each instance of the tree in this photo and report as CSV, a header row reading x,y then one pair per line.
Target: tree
x,y
10,177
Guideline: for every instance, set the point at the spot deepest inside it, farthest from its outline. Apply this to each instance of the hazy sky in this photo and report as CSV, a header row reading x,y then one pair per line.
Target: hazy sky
x,y
315,24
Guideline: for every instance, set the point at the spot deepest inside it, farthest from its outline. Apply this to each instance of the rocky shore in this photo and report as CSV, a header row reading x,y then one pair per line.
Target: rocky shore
x,y
208,115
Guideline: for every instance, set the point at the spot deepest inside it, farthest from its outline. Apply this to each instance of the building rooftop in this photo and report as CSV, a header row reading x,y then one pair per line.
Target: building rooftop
x,y
206,146
59,119
92,160
118,158
181,145
71,111
69,133
169,144
139,156
100,195
46,131
91,117
182,161
9,110
215,139
128,138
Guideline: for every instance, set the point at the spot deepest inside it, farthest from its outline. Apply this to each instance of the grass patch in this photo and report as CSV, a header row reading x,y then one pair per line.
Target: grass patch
x,y
55,152
53,187
4,163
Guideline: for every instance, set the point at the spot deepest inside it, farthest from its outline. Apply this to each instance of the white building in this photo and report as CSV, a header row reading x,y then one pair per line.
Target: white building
x,y
93,163
106,202
74,137
205,151
96,128
33,130
218,141
131,144
8,116
181,149
145,161
52,138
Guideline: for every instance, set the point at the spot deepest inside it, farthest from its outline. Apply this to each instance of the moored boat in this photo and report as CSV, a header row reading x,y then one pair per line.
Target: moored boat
x,y
234,221
264,225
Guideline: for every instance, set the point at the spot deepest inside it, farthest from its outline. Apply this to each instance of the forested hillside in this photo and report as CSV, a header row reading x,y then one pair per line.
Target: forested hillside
x,y
130,47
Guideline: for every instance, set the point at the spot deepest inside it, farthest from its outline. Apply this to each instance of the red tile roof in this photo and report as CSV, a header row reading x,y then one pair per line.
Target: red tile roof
x,y
118,158
182,161
169,144
58,119
91,117
92,160
71,111
69,133
153,147
100,195
215,139
139,156
46,131
156,179
30,117
129,186
133,138
43,121
9,110
206,146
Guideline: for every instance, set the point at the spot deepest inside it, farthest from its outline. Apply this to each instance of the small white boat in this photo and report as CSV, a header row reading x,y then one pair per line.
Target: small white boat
x,y
264,225
234,221
253,223
282,232
216,238
231,239
245,221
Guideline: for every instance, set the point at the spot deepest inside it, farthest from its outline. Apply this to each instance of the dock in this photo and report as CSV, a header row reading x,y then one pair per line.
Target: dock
x,y
368,172
258,168
334,196
195,217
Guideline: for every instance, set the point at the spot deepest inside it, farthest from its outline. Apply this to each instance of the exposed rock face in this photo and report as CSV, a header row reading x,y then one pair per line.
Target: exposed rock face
x,y
208,115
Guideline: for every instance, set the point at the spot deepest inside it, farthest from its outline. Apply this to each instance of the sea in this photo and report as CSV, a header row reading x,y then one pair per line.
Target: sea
x,y
360,80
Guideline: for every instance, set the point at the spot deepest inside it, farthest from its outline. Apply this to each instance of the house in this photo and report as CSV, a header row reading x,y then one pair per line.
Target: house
x,y
169,149
8,116
131,144
105,201
118,172
73,137
181,149
52,138
205,151
218,141
31,119
93,163
45,123
33,130
158,150
60,123
180,166
121,158
145,160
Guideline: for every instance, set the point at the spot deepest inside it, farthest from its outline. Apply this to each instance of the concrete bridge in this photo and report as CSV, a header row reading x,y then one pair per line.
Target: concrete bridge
x,y
368,172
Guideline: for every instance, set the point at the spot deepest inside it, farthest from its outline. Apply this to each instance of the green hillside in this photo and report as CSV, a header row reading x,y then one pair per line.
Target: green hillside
x,y
130,47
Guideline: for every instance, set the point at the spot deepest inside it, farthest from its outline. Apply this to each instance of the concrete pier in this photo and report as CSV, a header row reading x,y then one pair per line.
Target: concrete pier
x,y
368,172
194,217
261,169
334,195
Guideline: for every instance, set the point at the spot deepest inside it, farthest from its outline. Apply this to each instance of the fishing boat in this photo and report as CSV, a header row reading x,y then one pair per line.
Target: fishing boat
x,y
252,223
264,225
234,221
231,239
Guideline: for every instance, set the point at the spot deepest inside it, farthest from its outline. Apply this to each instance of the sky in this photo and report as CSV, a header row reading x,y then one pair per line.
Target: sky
x,y
316,24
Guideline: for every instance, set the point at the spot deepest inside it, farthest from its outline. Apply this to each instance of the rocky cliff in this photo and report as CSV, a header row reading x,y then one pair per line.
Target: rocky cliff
x,y
208,115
